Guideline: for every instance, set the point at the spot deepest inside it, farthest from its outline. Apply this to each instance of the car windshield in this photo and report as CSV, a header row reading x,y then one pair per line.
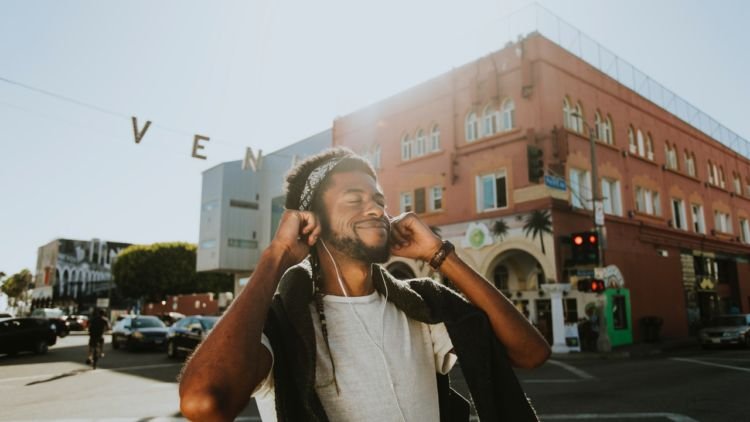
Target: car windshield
x,y
208,323
147,323
729,321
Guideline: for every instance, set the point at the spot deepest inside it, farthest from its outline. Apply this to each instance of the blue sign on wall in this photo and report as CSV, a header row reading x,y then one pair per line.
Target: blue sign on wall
x,y
555,182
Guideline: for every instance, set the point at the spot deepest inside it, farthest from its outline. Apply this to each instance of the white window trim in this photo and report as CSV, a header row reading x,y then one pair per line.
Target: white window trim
x,y
433,197
479,190
406,200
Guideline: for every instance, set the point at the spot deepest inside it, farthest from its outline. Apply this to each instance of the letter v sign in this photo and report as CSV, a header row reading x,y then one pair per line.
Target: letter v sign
x,y
142,133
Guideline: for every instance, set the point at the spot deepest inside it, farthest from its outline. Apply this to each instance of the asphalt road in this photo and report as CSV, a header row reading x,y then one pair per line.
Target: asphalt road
x,y
692,385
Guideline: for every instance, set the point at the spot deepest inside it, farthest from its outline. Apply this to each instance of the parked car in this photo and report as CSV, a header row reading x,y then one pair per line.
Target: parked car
x,y
77,322
139,331
726,329
185,335
27,334
55,315
170,318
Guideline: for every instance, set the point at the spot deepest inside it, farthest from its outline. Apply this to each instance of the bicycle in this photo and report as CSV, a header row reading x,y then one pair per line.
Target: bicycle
x,y
96,351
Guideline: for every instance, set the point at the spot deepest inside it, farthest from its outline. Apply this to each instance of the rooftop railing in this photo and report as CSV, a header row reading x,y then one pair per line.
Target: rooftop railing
x,y
535,18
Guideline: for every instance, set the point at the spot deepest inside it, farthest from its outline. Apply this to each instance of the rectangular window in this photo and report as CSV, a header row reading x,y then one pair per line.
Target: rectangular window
x,y
722,222
491,192
737,186
436,198
419,200
611,196
745,230
435,141
243,204
690,165
242,243
405,150
678,214
699,225
406,202
647,201
580,188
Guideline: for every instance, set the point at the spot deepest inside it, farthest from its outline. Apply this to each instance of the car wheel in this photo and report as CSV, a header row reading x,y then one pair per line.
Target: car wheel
x,y
130,345
171,350
40,347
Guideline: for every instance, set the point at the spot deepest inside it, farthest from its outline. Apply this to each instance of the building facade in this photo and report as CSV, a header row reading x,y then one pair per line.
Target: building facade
x,y
71,274
241,208
458,150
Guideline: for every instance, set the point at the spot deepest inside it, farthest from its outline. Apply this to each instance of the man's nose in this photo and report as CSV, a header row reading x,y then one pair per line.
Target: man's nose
x,y
374,209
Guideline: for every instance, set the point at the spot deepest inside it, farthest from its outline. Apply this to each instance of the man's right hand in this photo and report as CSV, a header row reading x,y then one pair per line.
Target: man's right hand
x,y
297,232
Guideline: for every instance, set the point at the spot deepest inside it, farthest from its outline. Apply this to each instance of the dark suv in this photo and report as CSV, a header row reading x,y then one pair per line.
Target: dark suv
x,y
186,334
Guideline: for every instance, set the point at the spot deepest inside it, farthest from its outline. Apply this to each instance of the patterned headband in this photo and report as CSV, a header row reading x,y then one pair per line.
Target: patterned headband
x,y
313,181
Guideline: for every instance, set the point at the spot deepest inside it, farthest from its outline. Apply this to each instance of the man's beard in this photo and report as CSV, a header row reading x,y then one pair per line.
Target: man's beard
x,y
354,247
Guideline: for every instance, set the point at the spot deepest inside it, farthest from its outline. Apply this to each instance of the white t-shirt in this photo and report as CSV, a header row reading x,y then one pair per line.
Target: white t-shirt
x,y
414,352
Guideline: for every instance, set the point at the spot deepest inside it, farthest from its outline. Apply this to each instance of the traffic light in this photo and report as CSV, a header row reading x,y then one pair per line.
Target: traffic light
x,y
591,285
536,163
585,246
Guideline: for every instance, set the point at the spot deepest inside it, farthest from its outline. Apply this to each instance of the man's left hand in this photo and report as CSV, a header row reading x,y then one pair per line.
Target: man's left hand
x,y
412,238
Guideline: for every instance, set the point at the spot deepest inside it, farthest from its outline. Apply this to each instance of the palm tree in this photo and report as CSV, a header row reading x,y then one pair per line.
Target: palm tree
x,y
537,224
500,229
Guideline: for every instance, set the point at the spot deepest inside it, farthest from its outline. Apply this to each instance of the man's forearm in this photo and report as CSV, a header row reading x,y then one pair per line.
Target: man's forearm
x,y
222,373
526,347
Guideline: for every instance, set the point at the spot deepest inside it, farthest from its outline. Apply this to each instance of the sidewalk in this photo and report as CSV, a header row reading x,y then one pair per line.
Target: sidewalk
x,y
634,350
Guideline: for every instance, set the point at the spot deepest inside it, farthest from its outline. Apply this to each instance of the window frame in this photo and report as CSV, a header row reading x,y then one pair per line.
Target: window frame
x,y
479,182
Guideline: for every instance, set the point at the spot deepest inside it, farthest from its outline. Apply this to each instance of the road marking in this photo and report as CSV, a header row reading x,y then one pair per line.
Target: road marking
x,y
729,359
718,365
675,417
97,371
578,372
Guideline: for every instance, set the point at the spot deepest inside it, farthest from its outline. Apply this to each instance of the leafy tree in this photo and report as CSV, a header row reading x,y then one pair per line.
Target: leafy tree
x,y
155,271
500,229
538,222
15,285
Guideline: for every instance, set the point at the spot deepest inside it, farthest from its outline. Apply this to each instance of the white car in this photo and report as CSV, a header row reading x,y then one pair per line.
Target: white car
x,y
726,329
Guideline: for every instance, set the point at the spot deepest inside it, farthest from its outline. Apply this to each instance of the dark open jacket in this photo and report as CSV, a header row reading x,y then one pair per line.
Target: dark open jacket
x,y
493,385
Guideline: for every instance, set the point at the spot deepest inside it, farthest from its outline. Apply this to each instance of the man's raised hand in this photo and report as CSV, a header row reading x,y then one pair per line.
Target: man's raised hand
x,y
412,238
297,232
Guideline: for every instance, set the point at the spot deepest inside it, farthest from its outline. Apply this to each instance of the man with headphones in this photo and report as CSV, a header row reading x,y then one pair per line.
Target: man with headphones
x,y
323,332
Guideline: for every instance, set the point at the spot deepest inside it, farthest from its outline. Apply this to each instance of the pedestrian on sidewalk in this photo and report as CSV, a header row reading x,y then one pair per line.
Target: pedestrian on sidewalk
x,y
324,332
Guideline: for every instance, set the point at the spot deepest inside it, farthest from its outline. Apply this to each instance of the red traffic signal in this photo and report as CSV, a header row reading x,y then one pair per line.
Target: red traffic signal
x,y
597,286
578,240
585,248
591,285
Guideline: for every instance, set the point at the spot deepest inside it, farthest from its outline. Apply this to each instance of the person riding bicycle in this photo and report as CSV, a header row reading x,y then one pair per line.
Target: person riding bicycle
x,y
97,326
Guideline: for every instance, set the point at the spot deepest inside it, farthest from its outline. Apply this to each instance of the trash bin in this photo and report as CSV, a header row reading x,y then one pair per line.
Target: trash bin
x,y
651,327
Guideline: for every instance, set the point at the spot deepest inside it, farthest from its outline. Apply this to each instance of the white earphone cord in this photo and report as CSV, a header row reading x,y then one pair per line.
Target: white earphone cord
x,y
367,333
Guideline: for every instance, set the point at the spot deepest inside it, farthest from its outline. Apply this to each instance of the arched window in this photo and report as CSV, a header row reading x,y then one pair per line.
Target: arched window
x,y
631,140
489,121
376,156
711,169
406,148
435,139
649,147
722,179
508,111
421,141
568,120
598,126
641,143
472,127
579,118
608,138
500,278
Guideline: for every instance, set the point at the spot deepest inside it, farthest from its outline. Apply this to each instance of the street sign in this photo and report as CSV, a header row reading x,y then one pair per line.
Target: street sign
x,y
585,273
599,213
555,182
102,302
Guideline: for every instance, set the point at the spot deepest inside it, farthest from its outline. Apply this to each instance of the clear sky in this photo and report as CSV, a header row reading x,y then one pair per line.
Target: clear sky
x,y
266,74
